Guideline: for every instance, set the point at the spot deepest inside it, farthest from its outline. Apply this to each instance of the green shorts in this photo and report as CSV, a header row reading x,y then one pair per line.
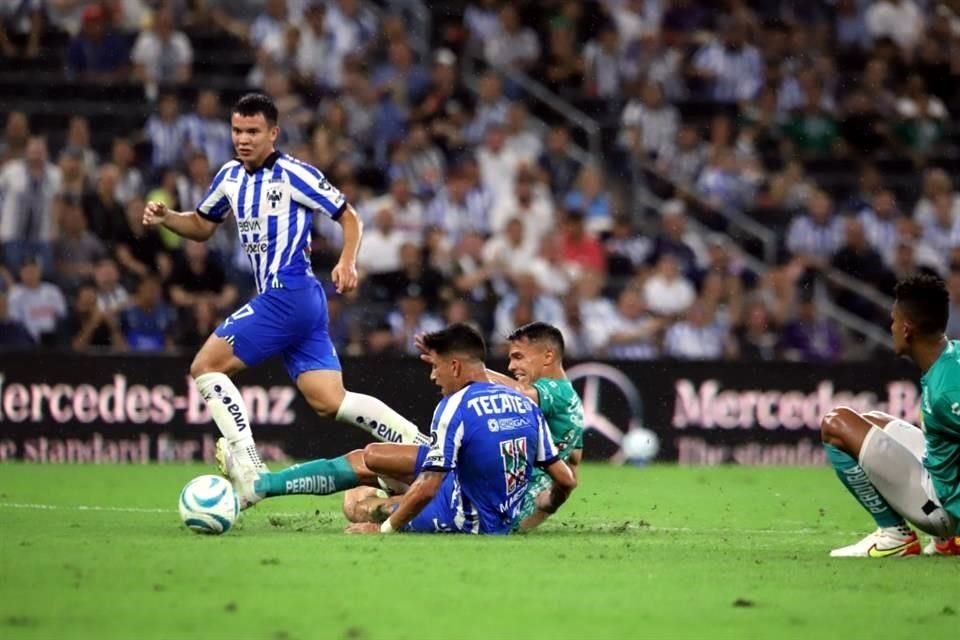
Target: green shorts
x,y
540,480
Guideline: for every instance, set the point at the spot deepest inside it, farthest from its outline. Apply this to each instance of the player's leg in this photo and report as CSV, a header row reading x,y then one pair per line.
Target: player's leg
x,y
211,370
317,477
843,432
312,361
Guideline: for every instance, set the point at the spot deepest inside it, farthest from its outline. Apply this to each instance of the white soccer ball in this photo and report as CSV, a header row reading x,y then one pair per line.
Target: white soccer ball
x,y
640,445
208,504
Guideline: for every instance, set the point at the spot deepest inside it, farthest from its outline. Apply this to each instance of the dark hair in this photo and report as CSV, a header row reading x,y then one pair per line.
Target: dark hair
x,y
253,103
924,300
457,338
540,332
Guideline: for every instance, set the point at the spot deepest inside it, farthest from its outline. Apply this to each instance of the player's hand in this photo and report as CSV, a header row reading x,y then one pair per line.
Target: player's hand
x,y
154,213
345,277
363,527
425,354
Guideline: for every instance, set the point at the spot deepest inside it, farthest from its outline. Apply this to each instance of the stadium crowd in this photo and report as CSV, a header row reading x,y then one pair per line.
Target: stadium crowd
x,y
471,213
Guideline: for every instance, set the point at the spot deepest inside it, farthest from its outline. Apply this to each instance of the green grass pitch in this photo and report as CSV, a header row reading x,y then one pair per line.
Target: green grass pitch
x,y
663,552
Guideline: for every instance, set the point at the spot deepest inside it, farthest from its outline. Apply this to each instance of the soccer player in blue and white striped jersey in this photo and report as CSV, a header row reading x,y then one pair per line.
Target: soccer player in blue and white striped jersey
x,y
274,198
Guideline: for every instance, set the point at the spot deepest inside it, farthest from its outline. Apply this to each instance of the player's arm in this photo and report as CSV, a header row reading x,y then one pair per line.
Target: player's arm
x,y
564,482
421,492
513,383
344,274
188,224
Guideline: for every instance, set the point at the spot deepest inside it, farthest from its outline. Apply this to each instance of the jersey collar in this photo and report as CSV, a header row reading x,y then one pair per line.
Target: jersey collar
x,y
267,164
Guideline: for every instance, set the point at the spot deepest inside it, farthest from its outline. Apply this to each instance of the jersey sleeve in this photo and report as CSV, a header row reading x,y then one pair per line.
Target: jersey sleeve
x,y
215,205
946,410
547,397
547,452
446,435
310,188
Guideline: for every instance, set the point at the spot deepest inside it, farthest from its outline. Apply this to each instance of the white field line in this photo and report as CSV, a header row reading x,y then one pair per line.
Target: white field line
x,y
609,525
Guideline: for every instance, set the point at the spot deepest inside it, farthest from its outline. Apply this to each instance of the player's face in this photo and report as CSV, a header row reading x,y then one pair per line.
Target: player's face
x,y
444,372
527,360
253,138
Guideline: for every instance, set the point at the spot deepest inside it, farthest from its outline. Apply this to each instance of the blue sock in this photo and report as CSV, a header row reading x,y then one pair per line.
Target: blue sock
x,y
317,477
854,478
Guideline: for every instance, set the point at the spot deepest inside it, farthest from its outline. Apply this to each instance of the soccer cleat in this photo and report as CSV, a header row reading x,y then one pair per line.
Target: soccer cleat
x,y
882,543
943,547
241,474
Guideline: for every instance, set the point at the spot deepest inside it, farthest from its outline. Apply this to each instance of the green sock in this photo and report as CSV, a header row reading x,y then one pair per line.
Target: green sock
x,y
317,477
854,478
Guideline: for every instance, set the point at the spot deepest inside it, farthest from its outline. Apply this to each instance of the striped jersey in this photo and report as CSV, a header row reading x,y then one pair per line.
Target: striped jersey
x,y
489,437
274,207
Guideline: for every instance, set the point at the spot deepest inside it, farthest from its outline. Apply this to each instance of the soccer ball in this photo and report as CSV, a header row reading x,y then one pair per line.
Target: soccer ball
x,y
640,445
208,504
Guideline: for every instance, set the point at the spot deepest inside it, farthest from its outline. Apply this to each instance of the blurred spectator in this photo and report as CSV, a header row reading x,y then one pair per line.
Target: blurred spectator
x,y
811,336
521,138
76,249
953,286
697,337
880,221
509,250
815,235
192,186
676,239
581,249
626,250
667,292
562,68
731,68
141,251
597,313
13,332
513,46
112,297
757,338
858,259
590,196
166,130
457,210
130,181
407,211
353,26
813,130
78,137
207,130
380,252
23,17
161,55
73,172
936,181
529,203
480,19
414,270
38,305
649,120
27,191
197,277
105,214
923,118
270,23
633,334
899,20
16,134
411,319
559,169
317,63
683,160
149,323
90,326
400,76
526,300
605,69
199,324
99,53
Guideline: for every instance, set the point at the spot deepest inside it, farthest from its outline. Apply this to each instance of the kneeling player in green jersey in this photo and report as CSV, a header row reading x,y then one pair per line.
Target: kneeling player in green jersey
x,y
536,362
898,472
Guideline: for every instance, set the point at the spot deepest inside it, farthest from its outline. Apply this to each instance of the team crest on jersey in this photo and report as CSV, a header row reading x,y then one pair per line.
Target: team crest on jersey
x,y
274,196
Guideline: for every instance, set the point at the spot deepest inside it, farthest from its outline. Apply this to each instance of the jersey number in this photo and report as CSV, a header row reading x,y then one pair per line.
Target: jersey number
x,y
514,454
243,312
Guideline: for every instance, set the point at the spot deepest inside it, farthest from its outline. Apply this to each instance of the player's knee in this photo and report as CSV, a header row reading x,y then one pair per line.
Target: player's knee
x,y
326,402
834,423
373,457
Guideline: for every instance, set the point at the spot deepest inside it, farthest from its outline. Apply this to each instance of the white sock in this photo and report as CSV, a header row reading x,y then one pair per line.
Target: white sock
x,y
379,420
230,414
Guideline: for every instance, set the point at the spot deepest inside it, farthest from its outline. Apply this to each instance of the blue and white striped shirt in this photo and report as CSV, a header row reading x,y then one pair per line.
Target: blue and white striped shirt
x,y
274,206
211,136
806,237
167,140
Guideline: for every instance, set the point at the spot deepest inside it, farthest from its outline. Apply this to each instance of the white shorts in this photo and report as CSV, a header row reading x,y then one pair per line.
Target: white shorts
x,y
892,458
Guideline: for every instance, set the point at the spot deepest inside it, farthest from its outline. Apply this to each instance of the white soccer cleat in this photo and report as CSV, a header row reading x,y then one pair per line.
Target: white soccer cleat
x,y
241,473
882,543
943,547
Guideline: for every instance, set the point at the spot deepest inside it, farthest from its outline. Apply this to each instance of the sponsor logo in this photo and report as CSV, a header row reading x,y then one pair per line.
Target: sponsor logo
x,y
603,387
873,552
250,226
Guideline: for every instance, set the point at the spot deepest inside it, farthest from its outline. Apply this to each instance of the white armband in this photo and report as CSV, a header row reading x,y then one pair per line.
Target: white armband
x,y
386,527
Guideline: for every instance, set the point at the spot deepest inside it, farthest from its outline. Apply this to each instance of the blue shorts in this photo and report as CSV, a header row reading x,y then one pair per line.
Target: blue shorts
x,y
289,322
438,516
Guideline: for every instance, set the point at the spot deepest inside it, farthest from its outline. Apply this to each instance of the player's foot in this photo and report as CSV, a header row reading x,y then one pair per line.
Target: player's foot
x,y
886,542
943,547
241,474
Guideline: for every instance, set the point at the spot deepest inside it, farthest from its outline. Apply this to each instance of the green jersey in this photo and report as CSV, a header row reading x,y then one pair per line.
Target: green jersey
x,y
940,403
563,411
